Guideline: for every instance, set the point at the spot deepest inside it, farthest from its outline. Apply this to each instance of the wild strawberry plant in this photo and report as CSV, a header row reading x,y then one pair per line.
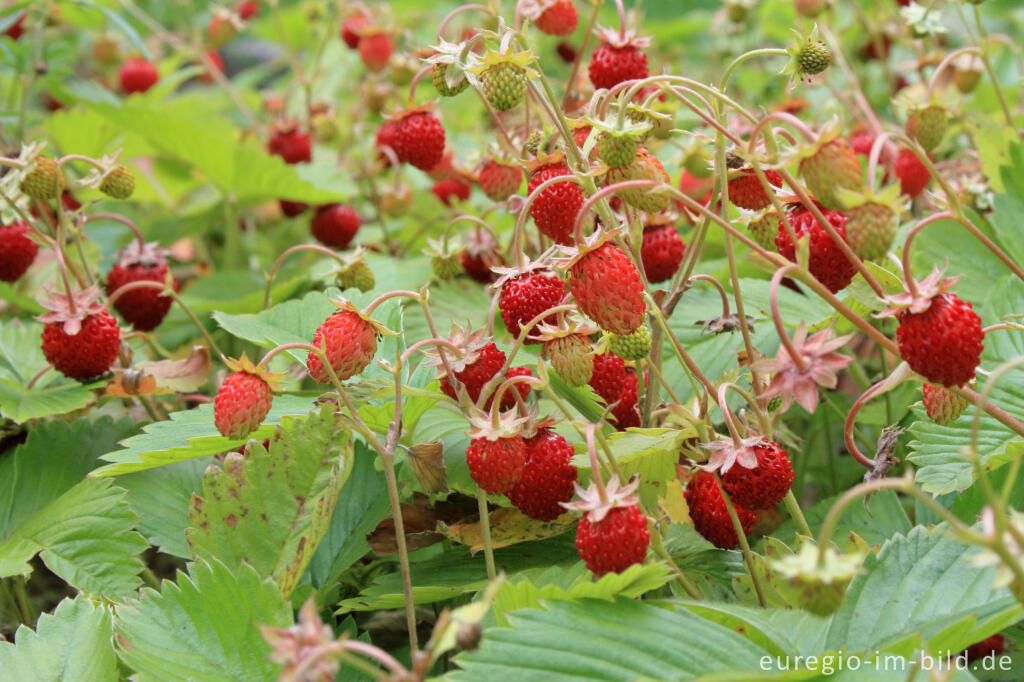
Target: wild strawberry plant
x,y
549,339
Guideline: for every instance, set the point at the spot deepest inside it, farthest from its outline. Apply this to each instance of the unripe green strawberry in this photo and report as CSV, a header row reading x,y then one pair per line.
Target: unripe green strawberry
x,y
357,275
764,227
928,126
870,229
943,406
617,150
832,166
504,85
634,346
817,586
814,57
44,180
644,167
445,267
439,76
572,356
119,183
503,77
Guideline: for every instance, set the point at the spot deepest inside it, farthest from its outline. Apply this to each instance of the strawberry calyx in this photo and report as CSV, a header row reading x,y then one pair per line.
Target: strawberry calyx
x,y
626,38
345,306
725,454
889,196
595,508
573,253
71,311
544,332
147,255
507,425
244,364
468,341
918,302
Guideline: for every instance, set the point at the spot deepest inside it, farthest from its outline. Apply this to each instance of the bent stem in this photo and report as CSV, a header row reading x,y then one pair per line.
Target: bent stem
x,y
485,532
280,259
748,556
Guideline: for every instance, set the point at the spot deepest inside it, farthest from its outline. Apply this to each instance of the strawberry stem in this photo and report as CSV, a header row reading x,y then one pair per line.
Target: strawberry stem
x,y
595,468
289,251
748,556
851,418
794,354
485,532
124,221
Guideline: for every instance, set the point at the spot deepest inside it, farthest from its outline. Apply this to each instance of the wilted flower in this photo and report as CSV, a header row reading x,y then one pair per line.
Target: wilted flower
x,y
817,366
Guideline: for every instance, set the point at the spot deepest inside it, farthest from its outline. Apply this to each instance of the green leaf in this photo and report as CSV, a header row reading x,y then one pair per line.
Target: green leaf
x,y
21,358
456,571
288,322
238,291
651,453
918,585
363,503
631,583
10,293
190,434
161,498
875,522
130,33
236,167
203,628
994,140
54,457
73,643
599,640
85,536
269,508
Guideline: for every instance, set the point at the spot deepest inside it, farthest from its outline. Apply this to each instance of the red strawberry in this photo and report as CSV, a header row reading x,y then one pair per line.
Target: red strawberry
x,y
419,140
243,400
827,263
580,135
607,288
375,49
290,209
943,407
614,543
480,257
496,465
335,225
386,139
17,252
137,75
290,143
218,64
913,174
83,343
766,484
616,384
247,9
616,61
547,478
351,28
17,29
746,191
862,142
476,374
662,252
943,343
559,18
508,400
566,51
993,646
527,295
351,342
499,181
144,308
556,207
451,189
710,515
